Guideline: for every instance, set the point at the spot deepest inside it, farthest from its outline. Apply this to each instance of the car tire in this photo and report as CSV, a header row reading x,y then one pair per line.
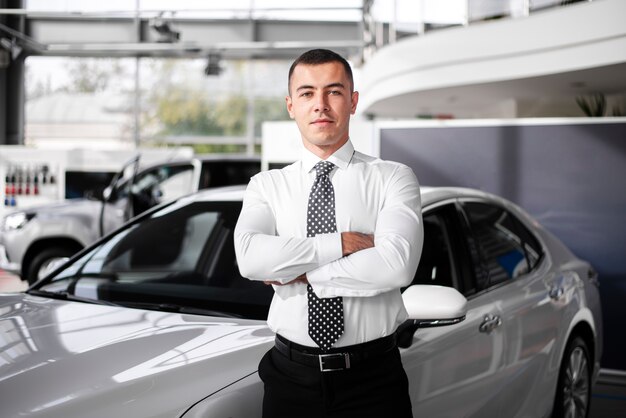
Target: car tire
x,y
47,260
573,391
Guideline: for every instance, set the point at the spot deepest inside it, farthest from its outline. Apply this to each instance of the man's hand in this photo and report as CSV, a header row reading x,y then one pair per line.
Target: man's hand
x,y
300,279
351,242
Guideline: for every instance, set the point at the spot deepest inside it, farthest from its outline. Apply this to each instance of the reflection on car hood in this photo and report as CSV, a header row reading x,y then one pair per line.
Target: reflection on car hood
x,y
68,205
71,359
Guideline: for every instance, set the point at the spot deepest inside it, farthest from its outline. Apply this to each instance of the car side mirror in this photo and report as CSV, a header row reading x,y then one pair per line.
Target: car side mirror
x,y
430,306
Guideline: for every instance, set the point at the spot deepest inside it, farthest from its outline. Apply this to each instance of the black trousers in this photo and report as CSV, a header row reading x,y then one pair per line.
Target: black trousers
x,y
376,388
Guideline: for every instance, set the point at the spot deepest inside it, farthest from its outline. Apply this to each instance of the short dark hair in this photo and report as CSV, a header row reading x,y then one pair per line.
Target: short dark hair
x,y
320,56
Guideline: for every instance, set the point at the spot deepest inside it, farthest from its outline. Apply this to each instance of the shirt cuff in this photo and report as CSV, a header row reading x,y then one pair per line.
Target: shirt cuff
x,y
319,275
328,248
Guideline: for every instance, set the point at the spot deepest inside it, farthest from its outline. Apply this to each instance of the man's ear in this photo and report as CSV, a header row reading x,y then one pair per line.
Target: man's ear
x,y
355,101
289,107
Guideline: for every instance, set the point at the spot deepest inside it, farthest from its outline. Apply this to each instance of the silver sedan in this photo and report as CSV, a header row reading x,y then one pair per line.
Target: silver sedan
x,y
155,320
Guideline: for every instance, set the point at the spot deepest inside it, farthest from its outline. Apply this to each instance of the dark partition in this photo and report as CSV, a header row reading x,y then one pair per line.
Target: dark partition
x,y
570,176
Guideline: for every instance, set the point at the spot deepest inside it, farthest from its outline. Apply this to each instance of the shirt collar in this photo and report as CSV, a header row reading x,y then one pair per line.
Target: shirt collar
x,y
341,158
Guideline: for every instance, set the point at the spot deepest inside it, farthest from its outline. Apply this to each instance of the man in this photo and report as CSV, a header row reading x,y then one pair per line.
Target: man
x,y
337,234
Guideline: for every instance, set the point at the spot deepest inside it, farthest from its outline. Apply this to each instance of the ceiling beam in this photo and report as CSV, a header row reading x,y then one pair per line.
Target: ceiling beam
x,y
110,36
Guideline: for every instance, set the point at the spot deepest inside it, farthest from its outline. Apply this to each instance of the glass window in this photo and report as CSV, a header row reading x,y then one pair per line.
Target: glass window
x,y
229,172
494,236
216,113
532,247
181,258
179,244
169,182
156,185
70,100
435,266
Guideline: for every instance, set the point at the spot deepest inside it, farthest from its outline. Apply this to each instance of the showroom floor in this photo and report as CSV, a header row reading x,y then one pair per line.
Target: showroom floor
x,y
609,395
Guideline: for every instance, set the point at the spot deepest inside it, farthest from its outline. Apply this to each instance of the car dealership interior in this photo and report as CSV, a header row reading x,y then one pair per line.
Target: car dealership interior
x,y
118,115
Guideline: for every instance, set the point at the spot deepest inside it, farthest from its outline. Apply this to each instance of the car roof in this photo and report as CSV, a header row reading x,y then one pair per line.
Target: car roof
x,y
207,158
430,195
227,157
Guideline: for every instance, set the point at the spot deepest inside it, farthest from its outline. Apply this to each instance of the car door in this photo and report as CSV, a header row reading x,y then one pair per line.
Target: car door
x,y
520,284
454,371
146,189
227,172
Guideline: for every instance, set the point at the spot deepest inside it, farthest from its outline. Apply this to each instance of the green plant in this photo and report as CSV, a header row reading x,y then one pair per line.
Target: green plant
x,y
593,106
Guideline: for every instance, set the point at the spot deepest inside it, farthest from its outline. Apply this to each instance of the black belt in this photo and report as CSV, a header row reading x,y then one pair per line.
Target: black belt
x,y
340,358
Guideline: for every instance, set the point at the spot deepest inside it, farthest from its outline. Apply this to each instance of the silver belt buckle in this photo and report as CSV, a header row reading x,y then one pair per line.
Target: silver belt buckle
x,y
346,360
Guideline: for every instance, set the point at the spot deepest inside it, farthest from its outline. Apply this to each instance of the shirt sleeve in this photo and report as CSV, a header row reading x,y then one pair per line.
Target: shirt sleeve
x,y
264,255
392,262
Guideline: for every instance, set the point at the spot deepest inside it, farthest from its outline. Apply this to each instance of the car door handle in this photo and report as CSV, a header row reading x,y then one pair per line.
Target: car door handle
x,y
490,323
556,292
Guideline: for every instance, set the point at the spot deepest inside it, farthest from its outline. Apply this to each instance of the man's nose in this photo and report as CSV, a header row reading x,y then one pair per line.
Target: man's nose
x,y
321,103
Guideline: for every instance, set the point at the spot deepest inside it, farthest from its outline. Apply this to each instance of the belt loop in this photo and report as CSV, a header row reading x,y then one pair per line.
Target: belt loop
x,y
287,343
289,349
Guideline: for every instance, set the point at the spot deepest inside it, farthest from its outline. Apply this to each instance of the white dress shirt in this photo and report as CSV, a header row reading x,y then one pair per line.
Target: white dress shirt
x,y
372,196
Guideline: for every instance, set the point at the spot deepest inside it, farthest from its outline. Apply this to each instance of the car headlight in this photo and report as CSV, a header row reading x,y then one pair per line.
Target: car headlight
x,y
16,220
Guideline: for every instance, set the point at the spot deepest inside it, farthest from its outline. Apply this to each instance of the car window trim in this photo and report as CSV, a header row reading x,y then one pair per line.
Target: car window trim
x,y
454,237
519,215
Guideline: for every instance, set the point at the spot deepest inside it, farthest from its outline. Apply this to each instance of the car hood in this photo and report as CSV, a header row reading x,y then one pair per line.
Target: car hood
x,y
70,359
66,206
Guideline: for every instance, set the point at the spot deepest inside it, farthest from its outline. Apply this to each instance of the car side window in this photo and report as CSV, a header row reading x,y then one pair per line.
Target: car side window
x,y
532,247
436,265
181,255
226,173
179,251
160,185
172,181
177,183
495,237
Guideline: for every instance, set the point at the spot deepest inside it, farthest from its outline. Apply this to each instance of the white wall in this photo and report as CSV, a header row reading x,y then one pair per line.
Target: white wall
x,y
282,142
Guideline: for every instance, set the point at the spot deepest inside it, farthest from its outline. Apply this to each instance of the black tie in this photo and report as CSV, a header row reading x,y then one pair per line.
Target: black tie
x,y
326,314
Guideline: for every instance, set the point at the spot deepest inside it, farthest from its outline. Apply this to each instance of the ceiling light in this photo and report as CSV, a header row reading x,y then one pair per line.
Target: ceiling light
x,y
165,32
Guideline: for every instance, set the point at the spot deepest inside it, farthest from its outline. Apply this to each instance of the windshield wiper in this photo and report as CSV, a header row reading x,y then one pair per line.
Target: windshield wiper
x,y
170,307
63,295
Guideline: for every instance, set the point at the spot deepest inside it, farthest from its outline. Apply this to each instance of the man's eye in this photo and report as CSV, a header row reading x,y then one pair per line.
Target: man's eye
x,y
306,94
334,92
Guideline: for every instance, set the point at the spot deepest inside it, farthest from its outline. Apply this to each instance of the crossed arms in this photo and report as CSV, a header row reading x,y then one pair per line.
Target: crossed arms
x,y
351,242
349,263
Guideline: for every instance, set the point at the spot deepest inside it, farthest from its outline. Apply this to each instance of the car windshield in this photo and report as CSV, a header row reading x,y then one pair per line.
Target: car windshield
x,y
179,258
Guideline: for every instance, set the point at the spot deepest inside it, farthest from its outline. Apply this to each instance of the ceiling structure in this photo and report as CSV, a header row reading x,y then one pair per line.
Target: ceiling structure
x,y
465,99
447,71
560,54
118,37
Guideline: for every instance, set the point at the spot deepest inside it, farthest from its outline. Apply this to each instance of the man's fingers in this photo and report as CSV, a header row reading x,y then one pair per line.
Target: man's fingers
x,y
355,241
299,279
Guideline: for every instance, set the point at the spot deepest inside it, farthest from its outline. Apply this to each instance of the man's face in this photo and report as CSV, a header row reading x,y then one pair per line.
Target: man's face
x,y
321,102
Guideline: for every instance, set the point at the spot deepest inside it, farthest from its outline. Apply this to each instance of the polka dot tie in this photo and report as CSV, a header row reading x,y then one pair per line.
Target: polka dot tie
x,y
325,314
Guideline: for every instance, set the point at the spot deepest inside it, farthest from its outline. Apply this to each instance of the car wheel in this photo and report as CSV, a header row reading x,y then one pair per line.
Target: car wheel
x,y
573,392
46,261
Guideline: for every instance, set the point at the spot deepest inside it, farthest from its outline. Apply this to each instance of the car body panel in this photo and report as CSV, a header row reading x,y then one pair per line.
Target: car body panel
x,y
71,359
456,375
227,403
73,219
530,323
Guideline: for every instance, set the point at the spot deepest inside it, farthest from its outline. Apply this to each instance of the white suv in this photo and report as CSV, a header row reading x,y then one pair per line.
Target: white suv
x,y
35,241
